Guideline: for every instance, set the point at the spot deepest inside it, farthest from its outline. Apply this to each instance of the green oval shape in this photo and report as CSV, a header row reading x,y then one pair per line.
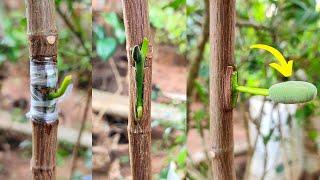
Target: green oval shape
x,y
292,92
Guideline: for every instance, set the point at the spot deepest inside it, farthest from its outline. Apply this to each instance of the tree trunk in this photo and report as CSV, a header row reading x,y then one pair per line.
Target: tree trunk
x,y
42,34
222,30
137,27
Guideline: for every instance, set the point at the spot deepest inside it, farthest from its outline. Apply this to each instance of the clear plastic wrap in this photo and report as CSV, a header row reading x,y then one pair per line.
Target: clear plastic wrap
x,y
43,80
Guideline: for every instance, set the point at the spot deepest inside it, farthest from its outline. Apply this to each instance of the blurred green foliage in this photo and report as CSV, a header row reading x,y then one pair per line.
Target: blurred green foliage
x,y
106,42
13,40
167,18
294,28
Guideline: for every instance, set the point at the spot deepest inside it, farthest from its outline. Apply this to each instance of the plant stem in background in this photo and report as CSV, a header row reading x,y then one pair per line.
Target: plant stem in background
x,y
83,122
76,32
136,21
251,90
42,34
195,63
222,37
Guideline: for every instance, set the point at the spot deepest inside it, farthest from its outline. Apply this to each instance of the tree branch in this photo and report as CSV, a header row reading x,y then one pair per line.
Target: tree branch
x,y
195,64
241,23
73,30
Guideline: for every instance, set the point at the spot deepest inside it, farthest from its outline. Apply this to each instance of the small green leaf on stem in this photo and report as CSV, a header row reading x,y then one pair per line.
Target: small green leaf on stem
x,y
139,55
65,83
144,48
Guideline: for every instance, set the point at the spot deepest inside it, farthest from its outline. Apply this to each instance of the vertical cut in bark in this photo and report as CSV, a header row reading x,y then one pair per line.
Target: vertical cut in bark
x,y
42,35
137,27
222,30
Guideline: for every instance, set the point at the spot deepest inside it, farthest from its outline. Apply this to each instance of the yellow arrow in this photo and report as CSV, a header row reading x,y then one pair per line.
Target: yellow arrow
x,y
284,68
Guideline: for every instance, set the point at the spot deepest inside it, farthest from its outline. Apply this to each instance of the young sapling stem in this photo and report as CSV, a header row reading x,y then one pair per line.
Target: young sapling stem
x,y
139,55
252,90
65,83
137,26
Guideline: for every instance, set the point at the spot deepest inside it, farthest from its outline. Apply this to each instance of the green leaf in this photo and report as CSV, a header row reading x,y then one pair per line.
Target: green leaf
x,y
144,48
163,174
124,159
259,10
120,35
99,31
313,134
61,65
279,168
305,112
202,92
176,4
182,156
106,48
191,9
181,139
113,20
200,115
58,2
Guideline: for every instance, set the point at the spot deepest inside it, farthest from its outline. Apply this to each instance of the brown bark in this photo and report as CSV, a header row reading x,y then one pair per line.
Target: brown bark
x,y
137,27
222,30
44,145
42,34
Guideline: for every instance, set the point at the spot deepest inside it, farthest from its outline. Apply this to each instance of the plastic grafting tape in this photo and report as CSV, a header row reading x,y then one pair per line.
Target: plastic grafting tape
x,y
43,79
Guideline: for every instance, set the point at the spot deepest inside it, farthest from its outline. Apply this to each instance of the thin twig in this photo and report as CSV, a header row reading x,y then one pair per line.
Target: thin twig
x,y
206,152
266,153
265,162
195,64
287,168
83,121
76,32
116,75
241,23
257,123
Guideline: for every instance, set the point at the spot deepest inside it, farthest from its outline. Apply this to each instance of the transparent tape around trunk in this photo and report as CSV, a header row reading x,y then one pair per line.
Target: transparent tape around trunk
x,y
43,80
